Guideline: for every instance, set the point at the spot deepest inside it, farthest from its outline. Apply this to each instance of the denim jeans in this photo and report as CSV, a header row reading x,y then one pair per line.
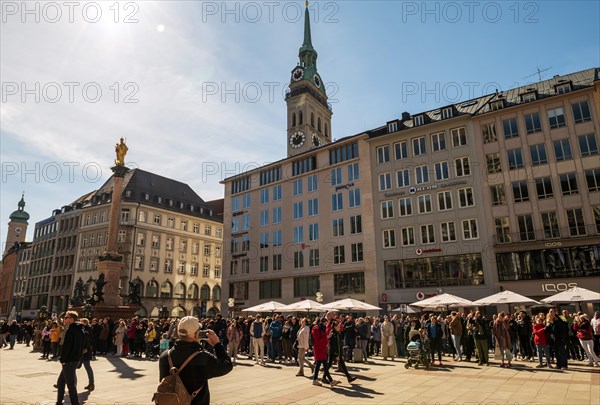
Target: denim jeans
x,y
89,371
68,376
456,343
326,374
543,350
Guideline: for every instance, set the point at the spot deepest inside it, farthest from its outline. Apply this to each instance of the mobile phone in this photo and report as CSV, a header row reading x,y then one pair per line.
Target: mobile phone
x,y
203,335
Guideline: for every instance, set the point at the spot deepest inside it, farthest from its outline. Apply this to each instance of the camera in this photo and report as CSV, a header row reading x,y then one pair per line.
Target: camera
x,y
203,335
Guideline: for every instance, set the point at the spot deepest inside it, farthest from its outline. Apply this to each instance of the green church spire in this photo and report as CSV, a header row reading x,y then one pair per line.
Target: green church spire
x,y
307,44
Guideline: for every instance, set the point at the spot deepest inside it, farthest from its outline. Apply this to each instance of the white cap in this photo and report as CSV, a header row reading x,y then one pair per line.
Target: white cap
x,y
187,326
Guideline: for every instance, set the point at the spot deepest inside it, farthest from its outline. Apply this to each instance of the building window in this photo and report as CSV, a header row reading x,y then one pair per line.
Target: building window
x,y
349,283
502,230
387,209
448,232
392,127
264,264
276,193
593,179
264,240
277,262
139,263
194,269
264,217
465,197
581,112
470,229
427,235
421,174
207,230
141,239
444,200
181,268
441,171
277,241
459,137
196,227
596,210
337,202
563,88
298,210
313,232
383,154
538,154
556,118
354,198
336,176
562,150
313,208
313,182
170,243
299,234
550,225
515,159
245,221
520,191
171,222
357,252
168,266
403,178
401,150
488,132
184,225
206,270
306,286
438,142
353,172
543,186
277,215
447,113
526,227
493,163
575,220
313,258
419,147
264,196
297,187
568,184
338,227
408,236
141,216
405,206
207,249
511,129
462,167
355,224
425,203
385,181
298,259
588,145
389,238
269,289
183,246
533,123
339,256
154,264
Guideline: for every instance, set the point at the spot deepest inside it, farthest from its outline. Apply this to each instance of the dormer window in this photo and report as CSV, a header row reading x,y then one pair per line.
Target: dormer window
x,y
159,200
128,193
192,208
146,196
170,203
525,98
392,127
181,205
497,105
419,120
447,113
563,88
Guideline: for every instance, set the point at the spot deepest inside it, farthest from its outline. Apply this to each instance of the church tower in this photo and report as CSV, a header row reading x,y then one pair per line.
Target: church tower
x,y
17,226
308,113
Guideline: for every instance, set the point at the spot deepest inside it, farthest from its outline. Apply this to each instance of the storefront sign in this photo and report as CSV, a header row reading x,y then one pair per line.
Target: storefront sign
x,y
553,244
383,297
558,287
414,190
420,296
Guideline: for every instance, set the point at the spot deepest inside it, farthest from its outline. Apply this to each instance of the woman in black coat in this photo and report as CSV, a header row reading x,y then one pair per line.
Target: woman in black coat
x,y
335,350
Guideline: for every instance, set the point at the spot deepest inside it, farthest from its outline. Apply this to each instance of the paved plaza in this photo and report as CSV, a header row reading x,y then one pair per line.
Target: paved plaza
x,y
27,379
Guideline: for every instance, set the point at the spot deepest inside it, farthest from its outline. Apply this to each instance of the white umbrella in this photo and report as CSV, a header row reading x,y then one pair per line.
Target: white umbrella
x,y
407,309
304,306
270,306
443,301
350,304
575,294
505,297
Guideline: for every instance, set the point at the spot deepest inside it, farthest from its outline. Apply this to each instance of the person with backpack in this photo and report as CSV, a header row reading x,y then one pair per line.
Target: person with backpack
x,y
70,358
194,366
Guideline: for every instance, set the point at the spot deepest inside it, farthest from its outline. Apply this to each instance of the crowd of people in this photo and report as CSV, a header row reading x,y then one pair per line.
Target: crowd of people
x,y
331,341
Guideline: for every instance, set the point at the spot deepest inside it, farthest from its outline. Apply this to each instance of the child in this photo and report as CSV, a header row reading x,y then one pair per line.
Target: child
x,y
164,342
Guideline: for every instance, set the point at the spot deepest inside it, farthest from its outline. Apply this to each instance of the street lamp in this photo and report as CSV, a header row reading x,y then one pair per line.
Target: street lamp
x,y
88,311
319,297
231,304
42,314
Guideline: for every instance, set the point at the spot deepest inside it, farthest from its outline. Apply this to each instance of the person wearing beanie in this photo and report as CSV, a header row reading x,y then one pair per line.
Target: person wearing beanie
x,y
203,366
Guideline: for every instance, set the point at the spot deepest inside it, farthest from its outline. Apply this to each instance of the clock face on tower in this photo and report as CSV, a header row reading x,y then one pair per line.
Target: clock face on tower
x,y
317,80
18,230
297,74
315,140
297,139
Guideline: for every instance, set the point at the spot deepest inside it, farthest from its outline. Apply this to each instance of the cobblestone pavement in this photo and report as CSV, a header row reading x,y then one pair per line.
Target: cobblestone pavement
x,y
25,378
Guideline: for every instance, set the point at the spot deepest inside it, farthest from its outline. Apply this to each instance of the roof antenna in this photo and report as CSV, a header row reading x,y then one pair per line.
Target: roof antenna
x,y
539,73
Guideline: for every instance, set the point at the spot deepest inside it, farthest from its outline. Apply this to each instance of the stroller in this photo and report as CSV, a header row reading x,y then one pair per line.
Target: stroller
x,y
419,351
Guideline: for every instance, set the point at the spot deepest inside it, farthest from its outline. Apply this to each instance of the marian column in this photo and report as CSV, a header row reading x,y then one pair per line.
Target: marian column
x,y
111,262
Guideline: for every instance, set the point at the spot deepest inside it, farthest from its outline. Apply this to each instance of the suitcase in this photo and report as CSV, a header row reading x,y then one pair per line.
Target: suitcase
x,y
357,355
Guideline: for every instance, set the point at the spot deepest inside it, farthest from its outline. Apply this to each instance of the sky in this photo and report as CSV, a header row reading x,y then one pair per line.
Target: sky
x,y
197,88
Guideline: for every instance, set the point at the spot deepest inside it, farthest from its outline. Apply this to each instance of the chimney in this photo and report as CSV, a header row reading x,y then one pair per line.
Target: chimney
x,y
405,116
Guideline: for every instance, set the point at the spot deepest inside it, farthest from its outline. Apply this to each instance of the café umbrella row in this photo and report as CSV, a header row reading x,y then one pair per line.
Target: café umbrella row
x,y
439,302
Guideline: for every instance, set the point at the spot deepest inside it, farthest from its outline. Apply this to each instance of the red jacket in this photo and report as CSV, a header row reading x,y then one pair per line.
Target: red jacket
x,y
584,330
319,343
539,334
